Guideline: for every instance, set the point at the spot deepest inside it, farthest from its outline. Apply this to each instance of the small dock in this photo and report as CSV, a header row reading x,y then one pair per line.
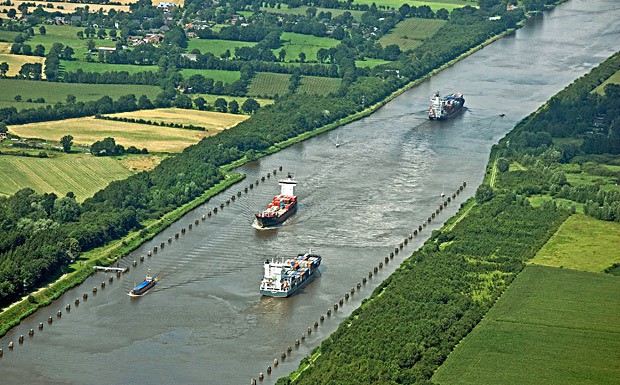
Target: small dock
x,y
108,268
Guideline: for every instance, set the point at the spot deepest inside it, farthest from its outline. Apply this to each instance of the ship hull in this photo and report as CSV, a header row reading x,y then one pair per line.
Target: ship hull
x,y
294,290
142,288
276,220
447,107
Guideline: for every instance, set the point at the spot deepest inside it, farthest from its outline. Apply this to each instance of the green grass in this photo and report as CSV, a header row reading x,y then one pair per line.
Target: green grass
x,y
295,43
582,243
66,35
74,65
8,36
583,179
357,15
240,99
551,326
80,173
613,79
538,200
434,4
370,63
224,76
57,92
266,84
410,33
318,85
215,46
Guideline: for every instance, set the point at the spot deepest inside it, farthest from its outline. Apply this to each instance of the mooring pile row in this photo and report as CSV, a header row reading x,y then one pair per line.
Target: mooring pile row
x,y
358,286
121,270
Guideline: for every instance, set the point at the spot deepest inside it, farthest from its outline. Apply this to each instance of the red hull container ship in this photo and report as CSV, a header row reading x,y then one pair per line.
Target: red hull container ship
x,y
282,207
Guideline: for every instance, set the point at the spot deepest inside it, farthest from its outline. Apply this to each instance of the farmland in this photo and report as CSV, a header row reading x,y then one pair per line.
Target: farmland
x,y
80,173
267,84
582,243
551,326
74,65
357,15
614,79
370,63
64,7
433,4
239,99
57,92
15,62
410,33
216,46
223,76
86,131
8,36
295,43
212,121
318,85
65,35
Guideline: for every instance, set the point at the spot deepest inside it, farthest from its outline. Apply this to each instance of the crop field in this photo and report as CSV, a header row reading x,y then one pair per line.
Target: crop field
x,y
370,63
552,326
212,121
357,15
410,33
266,84
57,92
73,66
216,46
318,85
15,62
295,43
224,76
83,174
86,131
433,4
63,7
582,243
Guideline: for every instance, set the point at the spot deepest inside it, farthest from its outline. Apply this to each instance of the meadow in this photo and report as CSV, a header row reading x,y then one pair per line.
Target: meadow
x,y
95,66
266,84
86,131
57,92
295,43
66,35
239,99
433,4
318,85
15,62
212,121
216,46
221,75
80,173
582,243
8,36
357,15
551,326
370,63
410,33
613,79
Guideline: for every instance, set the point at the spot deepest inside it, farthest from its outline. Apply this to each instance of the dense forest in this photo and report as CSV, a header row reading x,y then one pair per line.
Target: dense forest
x,y
413,320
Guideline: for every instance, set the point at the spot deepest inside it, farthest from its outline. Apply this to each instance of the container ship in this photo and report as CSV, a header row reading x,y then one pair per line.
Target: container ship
x,y
286,277
282,207
143,287
446,107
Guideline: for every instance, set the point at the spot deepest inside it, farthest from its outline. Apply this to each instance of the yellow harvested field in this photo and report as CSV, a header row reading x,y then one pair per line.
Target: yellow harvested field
x,y
207,119
179,3
86,131
63,7
137,163
15,62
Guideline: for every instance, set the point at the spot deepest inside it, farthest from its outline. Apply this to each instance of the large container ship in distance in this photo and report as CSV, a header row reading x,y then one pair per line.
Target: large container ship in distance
x,y
282,207
446,107
286,277
143,287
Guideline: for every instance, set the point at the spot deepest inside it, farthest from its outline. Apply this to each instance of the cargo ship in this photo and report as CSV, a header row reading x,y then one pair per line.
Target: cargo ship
x,y
282,207
143,287
446,107
286,277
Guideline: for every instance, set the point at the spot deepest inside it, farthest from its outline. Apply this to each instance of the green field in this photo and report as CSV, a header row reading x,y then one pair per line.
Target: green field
x,y
57,92
224,76
410,33
66,35
551,326
239,99
73,66
215,46
357,15
538,200
613,79
295,43
8,36
434,4
318,85
370,63
266,84
582,243
80,173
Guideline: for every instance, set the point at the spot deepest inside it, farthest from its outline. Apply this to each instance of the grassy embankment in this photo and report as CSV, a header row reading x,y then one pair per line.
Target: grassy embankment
x,y
551,326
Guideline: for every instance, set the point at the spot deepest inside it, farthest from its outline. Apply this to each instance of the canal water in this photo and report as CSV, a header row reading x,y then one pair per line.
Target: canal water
x,y
205,322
